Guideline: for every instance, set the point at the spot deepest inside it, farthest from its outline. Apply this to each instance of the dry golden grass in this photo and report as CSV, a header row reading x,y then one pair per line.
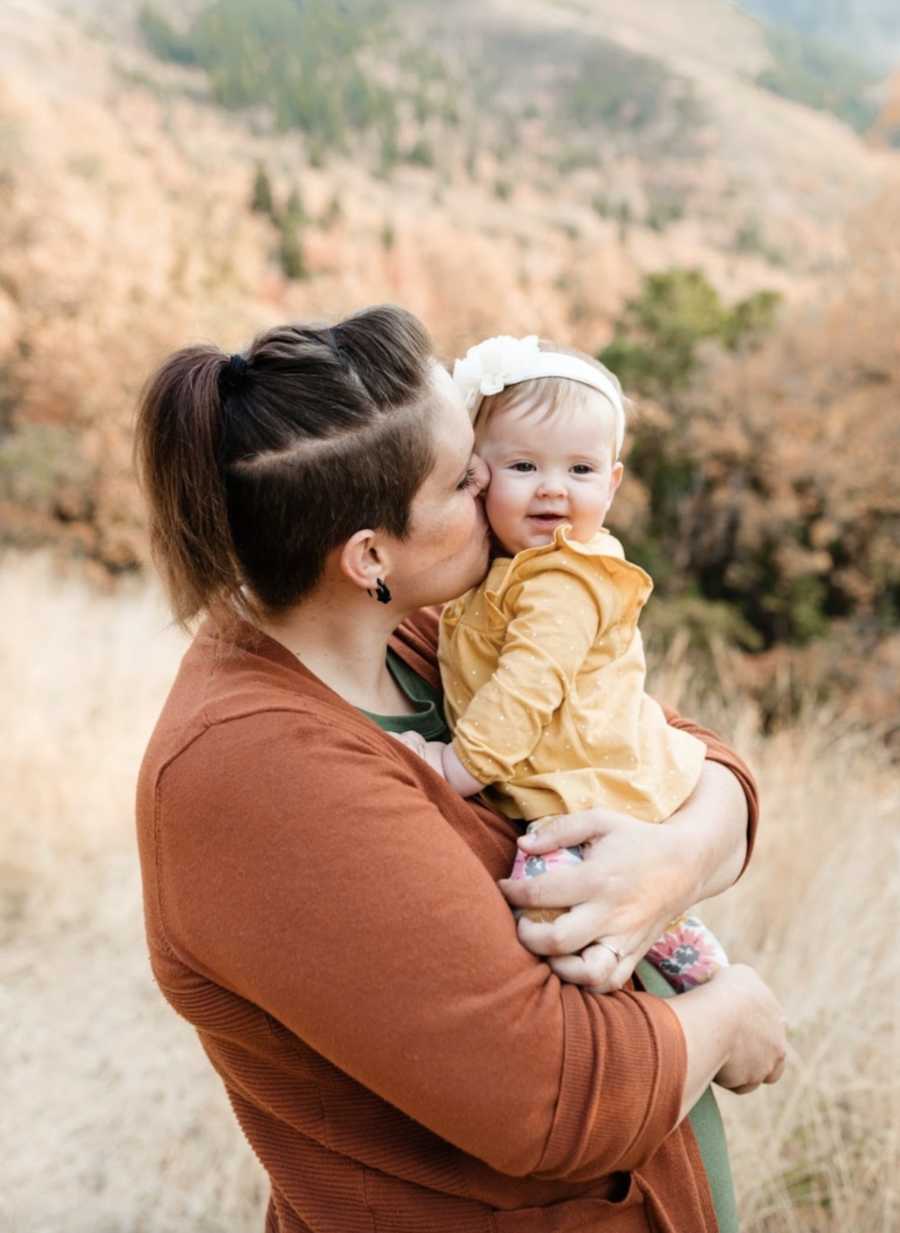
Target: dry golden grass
x,y
818,914
114,1122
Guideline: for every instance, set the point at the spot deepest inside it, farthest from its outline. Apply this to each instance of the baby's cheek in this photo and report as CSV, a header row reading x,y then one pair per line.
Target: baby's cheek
x,y
499,501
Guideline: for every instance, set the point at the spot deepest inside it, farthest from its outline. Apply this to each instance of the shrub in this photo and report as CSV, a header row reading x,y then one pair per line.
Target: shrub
x,y
304,61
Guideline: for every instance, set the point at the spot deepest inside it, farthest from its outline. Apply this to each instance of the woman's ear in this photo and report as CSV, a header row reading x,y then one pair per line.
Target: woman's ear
x,y
363,559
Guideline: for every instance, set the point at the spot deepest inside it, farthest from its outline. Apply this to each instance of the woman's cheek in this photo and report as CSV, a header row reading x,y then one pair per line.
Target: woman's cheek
x,y
474,523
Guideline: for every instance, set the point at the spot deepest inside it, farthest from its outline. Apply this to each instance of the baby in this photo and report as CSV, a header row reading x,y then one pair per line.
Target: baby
x,y
542,663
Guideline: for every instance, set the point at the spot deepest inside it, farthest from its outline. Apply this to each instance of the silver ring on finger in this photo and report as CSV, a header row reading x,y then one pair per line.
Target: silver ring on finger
x,y
612,950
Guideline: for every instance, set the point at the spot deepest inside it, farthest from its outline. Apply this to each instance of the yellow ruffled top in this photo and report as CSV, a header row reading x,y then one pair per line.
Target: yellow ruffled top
x,y
543,672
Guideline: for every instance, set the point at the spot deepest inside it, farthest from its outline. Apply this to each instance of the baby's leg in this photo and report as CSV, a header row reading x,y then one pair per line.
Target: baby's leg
x,y
688,953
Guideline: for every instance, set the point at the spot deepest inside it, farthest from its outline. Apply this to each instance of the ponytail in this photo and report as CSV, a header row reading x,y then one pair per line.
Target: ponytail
x,y
179,455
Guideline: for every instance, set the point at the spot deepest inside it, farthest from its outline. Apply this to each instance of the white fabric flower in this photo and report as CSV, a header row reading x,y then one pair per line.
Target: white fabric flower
x,y
494,364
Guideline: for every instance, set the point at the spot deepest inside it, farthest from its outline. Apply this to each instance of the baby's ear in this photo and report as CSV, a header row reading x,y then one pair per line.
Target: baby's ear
x,y
616,474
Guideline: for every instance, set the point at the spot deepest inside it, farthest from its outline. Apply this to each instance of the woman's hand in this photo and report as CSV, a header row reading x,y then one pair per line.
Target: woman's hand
x,y
636,878
734,1031
760,1046
625,892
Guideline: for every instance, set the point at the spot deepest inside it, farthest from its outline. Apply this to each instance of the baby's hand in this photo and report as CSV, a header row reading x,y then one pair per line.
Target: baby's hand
x,y
431,751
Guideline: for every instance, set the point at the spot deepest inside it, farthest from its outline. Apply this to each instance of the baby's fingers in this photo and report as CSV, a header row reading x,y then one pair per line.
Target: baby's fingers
x,y
412,740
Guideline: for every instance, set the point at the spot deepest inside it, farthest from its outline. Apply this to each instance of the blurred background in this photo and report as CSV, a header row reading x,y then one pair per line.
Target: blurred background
x,y
706,194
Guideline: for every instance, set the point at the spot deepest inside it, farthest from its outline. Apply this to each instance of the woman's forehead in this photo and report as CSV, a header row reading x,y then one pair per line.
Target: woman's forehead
x,y
453,435
444,385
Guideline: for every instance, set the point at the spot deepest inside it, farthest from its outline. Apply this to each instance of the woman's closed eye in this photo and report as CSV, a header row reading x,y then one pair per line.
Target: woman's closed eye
x,y
469,480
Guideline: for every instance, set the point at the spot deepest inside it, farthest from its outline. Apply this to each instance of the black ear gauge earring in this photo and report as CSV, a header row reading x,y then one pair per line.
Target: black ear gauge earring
x,y
382,591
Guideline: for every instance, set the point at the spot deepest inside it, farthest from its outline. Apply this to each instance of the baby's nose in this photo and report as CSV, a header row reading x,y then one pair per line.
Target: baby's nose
x,y
551,486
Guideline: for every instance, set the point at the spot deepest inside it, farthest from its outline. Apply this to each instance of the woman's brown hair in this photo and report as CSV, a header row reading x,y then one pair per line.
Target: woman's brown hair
x,y
256,466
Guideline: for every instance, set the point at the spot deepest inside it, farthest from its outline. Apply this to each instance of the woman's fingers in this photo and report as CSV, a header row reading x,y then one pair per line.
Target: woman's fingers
x,y
776,1072
597,968
567,830
560,887
573,931
566,935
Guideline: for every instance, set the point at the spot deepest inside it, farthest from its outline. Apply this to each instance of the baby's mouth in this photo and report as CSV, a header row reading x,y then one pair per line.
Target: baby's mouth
x,y
548,517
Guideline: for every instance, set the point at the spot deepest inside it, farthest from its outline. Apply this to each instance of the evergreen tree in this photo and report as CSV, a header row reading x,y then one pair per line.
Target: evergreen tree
x,y
656,352
655,348
262,201
291,256
294,210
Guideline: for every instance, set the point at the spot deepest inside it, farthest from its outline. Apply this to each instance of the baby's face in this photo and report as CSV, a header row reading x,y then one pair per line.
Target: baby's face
x,y
546,471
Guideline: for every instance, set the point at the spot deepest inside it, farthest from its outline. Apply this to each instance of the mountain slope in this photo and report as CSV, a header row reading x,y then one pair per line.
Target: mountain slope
x,y
126,226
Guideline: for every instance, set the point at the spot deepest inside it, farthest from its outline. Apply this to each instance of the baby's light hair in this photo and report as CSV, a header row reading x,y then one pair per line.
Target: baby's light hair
x,y
548,395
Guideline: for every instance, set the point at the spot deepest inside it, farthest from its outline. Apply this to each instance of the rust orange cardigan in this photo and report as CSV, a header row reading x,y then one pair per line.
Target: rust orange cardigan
x,y
323,909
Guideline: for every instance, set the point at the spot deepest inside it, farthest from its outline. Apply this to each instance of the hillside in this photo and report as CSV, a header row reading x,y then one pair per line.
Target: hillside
x,y
539,159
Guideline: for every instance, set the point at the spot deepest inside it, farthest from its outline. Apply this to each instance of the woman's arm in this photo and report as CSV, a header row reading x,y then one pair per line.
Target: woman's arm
x,y
721,754
306,868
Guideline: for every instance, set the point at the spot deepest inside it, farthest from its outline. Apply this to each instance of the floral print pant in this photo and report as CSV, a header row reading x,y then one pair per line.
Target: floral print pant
x,y
687,954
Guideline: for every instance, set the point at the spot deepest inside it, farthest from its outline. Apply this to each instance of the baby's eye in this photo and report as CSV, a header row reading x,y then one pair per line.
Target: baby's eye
x,y
582,468
522,466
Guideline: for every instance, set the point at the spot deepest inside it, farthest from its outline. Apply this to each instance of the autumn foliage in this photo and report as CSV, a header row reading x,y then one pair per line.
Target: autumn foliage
x,y
762,488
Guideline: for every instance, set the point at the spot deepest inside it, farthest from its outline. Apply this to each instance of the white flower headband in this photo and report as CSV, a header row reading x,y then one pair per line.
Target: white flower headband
x,y
497,362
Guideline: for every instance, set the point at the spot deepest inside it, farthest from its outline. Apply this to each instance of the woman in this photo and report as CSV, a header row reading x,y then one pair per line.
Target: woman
x,y
323,908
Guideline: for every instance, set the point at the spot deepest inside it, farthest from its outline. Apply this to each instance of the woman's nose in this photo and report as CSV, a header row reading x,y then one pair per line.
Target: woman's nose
x,y
482,473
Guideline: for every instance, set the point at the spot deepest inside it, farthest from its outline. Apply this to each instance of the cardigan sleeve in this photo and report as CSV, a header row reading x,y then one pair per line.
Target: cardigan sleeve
x,y
308,868
718,751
